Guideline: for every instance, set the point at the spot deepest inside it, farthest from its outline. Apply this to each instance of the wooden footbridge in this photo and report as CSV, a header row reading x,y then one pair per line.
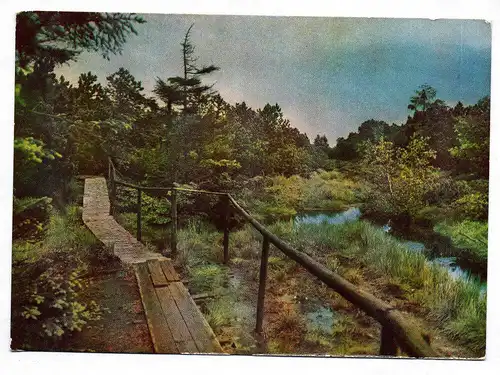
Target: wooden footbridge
x,y
175,322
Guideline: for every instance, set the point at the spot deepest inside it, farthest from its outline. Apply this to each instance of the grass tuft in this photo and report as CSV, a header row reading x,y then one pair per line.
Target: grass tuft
x,y
457,306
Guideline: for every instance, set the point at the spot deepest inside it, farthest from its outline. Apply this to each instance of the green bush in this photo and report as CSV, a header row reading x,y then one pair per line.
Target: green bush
x,y
48,282
30,214
155,211
470,236
207,278
282,197
53,306
472,206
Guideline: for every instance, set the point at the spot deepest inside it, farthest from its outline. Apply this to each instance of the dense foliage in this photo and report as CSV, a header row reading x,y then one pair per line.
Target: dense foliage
x,y
431,171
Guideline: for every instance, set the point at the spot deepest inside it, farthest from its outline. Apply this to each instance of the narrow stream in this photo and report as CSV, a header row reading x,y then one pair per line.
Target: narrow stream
x,y
354,213
322,318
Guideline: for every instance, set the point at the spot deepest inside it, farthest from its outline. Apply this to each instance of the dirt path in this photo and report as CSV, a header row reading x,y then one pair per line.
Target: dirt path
x,y
123,327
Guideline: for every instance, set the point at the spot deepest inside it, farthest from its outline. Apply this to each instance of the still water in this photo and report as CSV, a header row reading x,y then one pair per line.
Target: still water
x,y
354,213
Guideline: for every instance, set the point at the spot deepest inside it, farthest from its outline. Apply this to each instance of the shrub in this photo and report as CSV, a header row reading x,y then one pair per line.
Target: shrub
x,y
207,278
48,282
52,306
472,206
29,216
282,197
220,312
155,211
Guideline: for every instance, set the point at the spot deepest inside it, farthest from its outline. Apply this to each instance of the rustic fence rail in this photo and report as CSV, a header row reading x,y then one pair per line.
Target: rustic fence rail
x,y
396,330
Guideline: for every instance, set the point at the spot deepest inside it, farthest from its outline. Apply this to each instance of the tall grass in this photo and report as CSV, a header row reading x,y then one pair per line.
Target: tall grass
x,y
457,306
198,243
200,254
280,197
65,234
469,236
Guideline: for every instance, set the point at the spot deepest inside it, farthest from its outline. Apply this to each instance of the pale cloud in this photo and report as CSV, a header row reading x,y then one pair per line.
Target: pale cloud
x,y
327,74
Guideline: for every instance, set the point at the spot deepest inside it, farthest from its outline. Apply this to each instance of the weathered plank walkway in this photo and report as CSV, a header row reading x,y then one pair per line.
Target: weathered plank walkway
x,y
175,323
97,218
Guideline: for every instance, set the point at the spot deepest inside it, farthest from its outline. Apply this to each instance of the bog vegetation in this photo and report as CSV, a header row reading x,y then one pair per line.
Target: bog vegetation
x,y
430,173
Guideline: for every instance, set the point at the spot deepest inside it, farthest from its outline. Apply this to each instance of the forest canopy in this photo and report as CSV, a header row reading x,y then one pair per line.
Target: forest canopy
x,y
428,174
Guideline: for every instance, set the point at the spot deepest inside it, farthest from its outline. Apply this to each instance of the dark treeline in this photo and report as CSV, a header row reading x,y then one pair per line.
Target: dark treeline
x,y
430,172
187,133
459,134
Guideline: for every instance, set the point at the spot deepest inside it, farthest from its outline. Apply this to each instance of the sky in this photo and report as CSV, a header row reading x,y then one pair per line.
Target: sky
x,y
327,74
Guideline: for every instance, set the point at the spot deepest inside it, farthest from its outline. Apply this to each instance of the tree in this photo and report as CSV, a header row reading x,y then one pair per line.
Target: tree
x,y
169,94
58,37
370,130
48,112
472,129
125,94
400,178
321,142
189,84
422,98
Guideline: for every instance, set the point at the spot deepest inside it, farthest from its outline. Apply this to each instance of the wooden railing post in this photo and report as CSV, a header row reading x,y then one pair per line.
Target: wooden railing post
x,y
112,195
388,344
139,221
109,169
173,235
262,284
226,228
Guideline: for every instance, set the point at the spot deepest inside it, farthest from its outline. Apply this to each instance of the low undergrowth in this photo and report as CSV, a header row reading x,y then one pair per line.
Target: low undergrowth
x,y
199,257
358,251
281,197
49,276
457,306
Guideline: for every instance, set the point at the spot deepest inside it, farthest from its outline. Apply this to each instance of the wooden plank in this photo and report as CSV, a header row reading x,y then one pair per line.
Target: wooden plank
x,y
157,275
201,332
169,271
180,332
200,296
161,336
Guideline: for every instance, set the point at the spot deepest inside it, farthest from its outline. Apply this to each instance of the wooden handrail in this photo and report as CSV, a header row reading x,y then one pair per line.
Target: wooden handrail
x,y
395,328
132,186
408,337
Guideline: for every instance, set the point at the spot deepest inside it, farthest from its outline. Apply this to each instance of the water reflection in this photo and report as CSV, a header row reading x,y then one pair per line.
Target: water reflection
x,y
354,213
321,319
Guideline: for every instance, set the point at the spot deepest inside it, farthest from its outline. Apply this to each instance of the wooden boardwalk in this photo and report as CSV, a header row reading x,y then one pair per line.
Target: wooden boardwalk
x,y
97,218
175,323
